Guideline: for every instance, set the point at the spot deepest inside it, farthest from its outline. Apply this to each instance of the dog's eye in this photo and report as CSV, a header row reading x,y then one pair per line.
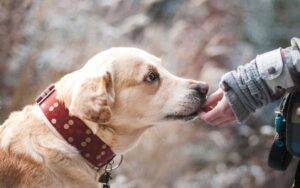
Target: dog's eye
x,y
152,77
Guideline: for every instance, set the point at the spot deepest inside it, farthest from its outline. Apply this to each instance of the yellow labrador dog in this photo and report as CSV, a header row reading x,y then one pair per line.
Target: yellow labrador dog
x,y
91,115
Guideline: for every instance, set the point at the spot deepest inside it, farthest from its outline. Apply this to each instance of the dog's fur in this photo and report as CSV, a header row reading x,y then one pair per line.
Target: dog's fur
x,y
112,94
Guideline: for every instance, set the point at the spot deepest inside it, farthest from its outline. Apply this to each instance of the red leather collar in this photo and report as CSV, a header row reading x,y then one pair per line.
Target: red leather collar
x,y
74,130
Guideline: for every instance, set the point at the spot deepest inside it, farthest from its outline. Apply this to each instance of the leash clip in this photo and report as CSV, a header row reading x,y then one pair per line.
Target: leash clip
x,y
46,93
106,176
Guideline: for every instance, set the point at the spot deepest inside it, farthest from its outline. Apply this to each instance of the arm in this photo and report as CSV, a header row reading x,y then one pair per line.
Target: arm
x,y
255,84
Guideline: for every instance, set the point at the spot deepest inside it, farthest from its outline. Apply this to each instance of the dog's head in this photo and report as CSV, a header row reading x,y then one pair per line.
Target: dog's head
x,y
129,89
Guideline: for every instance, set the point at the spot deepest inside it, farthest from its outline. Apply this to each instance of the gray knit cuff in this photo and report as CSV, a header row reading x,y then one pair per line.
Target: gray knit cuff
x,y
245,90
240,111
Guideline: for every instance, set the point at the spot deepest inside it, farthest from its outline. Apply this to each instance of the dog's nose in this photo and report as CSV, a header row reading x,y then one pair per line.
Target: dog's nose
x,y
201,88
204,89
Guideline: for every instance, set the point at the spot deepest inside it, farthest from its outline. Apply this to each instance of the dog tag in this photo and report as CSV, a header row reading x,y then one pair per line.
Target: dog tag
x,y
104,179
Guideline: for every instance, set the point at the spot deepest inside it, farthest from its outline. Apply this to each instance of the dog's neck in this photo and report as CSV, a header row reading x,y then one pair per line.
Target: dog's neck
x,y
72,129
120,140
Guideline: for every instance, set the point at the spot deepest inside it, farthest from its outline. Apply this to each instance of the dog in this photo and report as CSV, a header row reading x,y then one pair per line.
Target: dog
x,y
117,95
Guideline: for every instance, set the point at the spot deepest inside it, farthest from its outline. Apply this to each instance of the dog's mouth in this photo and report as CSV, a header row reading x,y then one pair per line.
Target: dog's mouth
x,y
187,115
184,117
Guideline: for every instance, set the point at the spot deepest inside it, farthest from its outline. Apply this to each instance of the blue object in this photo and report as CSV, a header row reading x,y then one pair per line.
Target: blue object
x,y
278,123
279,143
295,147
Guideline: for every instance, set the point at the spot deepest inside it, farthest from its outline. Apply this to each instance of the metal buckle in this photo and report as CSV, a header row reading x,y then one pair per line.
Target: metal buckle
x,y
45,94
109,166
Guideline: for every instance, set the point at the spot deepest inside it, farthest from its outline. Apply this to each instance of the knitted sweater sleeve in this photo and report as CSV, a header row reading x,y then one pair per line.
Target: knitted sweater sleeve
x,y
256,84
245,90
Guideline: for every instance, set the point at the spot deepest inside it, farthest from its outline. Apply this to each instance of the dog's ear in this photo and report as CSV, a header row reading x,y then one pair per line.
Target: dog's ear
x,y
93,97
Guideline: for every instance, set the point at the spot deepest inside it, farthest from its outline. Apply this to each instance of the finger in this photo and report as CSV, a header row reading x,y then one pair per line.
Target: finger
x,y
221,120
214,97
215,113
205,109
216,121
209,116
226,124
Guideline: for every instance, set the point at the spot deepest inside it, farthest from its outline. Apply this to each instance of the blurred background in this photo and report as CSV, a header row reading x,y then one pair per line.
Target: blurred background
x,y
200,39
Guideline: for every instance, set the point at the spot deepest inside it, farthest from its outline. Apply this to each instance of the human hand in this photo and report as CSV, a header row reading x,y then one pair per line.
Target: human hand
x,y
221,114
